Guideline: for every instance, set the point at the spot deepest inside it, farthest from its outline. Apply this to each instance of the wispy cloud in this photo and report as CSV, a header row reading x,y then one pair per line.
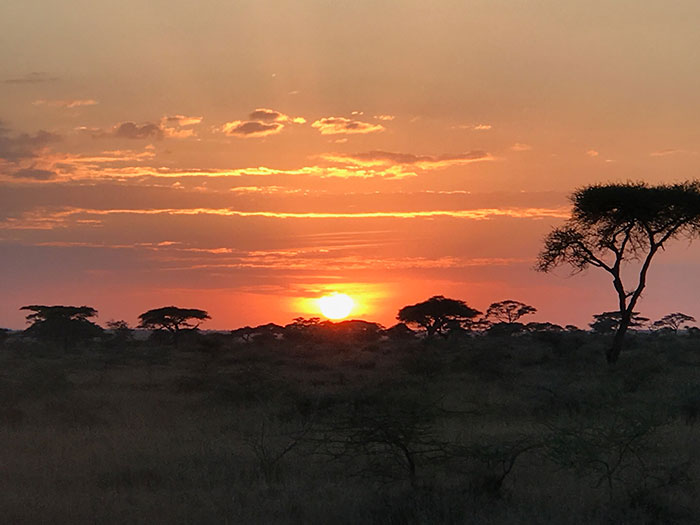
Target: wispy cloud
x,y
474,127
384,117
667,152
424,162
69,104
342,125
35,77
34,174
52,218
519,146
592,153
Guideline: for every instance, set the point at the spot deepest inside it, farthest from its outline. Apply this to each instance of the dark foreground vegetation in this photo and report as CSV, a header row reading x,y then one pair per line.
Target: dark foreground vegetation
x,y
350,427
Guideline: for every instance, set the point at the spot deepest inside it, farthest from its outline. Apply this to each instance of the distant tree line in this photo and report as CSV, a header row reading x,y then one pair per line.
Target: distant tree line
x,y
611,227
436,317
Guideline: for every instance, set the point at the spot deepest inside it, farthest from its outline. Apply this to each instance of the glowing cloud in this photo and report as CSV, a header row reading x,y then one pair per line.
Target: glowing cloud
x,y
251,128
342,125
424,162
261,123
270,115
69,104
519,146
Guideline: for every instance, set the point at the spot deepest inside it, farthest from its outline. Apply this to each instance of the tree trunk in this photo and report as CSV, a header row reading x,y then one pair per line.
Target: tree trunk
x,y
613,352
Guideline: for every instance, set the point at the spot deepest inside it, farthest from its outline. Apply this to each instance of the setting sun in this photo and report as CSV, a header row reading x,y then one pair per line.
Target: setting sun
x,y
336,305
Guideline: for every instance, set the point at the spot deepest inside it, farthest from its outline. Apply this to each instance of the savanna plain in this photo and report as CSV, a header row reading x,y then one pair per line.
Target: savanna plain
x,y
341,424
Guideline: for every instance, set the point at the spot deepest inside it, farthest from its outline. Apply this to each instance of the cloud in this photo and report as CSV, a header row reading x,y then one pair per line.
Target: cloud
x,y
261,123
342,125
181,120
592,153
252,128
170,126
425,162
270,115
384,117
34,174
179,126
70,104
25,145
131,130
666,152
44,218
518,146
474,127
36,77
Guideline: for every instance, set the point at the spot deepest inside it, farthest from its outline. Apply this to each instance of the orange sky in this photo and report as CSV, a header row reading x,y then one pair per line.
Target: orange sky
x,y
246,157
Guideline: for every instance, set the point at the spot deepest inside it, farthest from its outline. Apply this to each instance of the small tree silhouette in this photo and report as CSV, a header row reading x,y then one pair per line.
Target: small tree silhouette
x,y
173,319
437,314
509,311
64,324
673,322
612,225
609,322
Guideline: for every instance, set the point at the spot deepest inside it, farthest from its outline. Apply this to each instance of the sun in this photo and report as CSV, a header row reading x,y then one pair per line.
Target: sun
x,y
336,305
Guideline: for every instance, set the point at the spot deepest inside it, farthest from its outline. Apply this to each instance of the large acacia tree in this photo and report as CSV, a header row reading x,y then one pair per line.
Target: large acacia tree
x,y
619,228
62,324
173,319
437,315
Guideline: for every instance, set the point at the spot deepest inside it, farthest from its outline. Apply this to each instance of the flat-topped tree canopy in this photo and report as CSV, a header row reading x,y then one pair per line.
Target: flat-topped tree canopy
x,y
43,313
437,314
64,324
619,223
172,318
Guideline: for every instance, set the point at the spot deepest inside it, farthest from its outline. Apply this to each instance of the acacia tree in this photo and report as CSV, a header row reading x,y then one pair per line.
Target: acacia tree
x,y
65,324
613,226
509,311
172,319
673,322
437,314
609,322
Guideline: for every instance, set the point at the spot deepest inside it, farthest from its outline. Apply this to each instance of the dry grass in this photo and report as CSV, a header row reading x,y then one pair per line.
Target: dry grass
x,y
224,432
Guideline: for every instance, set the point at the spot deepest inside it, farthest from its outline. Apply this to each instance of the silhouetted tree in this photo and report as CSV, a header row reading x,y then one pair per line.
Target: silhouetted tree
x,y
400,332
673,322
614,224
64,324
509,311
505,329
543,327
436,314
173,319
301,328
121,329
355,329
609,322
263,333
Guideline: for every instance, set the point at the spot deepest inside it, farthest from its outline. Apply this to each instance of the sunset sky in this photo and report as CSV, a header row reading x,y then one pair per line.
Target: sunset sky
x,y
247,157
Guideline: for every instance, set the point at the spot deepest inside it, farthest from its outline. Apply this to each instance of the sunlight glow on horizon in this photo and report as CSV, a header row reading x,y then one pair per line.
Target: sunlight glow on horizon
x,y
336,305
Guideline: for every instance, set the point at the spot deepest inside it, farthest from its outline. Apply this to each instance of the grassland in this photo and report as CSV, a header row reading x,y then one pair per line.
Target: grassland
x,y
525,429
